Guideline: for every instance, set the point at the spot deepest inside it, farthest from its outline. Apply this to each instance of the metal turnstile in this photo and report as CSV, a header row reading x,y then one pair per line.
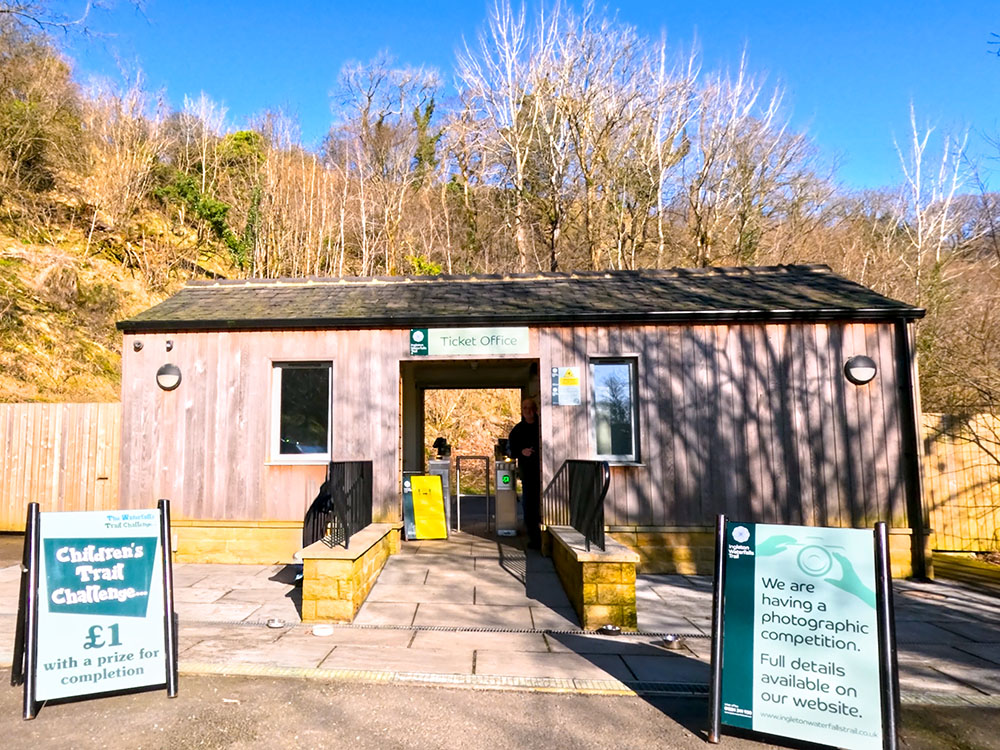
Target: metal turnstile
x,y
458,487
506,498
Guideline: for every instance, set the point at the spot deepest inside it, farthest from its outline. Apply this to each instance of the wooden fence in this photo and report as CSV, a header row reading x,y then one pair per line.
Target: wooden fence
x,y
962,481
63,456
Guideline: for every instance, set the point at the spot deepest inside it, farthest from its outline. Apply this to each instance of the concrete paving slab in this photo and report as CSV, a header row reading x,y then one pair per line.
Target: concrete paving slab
x,y
579,643
661,668
305,655
927,679
662,620
443,550
289,610
550,596
437,639
220,610
273,594
919,631
10,573
8,603
400,592
984,680
554,618
703,583
476,616
937,655
192,630
221,646
394,659
986,651
346,635
207,568
226,581
972,631
386,613
701,625
403,576
699,648
193,595
280,573
560,665
7,628
489,577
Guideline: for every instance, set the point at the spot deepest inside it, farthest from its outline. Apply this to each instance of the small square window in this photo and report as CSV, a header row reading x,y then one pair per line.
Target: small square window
x,y
300,423
615,409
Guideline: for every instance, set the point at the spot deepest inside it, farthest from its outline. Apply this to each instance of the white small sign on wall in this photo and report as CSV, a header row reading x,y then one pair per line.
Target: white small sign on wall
x,y
565,386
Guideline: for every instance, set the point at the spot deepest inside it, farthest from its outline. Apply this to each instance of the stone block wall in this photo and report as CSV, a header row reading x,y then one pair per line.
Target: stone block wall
x,y
691,551
235,542
600,584
336,581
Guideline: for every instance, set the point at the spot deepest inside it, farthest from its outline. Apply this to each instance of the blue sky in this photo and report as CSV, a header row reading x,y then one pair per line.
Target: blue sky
x,y
850,68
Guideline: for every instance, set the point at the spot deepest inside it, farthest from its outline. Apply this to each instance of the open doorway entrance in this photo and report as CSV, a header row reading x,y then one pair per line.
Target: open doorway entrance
x,y
471,403
469,421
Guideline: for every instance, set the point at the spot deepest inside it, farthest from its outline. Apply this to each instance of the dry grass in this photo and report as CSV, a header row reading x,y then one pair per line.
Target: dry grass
x,y
58,307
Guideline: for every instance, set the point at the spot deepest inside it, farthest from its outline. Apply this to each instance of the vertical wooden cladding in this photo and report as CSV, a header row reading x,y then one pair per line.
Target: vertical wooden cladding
x,y
206,444
756,421
962,482
62,456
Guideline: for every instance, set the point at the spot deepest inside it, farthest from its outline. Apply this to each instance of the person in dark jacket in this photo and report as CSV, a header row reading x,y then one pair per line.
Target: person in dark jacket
x,y
523,445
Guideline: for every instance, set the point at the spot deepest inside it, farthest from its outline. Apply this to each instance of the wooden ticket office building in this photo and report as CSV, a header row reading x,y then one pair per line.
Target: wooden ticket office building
x,y
709,390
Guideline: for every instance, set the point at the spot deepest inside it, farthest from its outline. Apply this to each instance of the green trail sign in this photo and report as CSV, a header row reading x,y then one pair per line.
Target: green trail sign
x,y
802,652
96,611
468,342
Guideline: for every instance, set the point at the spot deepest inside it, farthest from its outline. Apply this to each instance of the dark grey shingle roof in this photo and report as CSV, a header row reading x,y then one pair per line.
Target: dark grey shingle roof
x,y
666,296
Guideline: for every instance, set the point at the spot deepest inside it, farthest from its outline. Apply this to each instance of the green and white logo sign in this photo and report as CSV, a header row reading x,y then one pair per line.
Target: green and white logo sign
x,y
101,603
460,342
800,644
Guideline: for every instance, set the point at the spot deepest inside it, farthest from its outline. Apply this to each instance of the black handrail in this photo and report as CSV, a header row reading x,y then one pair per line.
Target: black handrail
x,y
575,497
343,506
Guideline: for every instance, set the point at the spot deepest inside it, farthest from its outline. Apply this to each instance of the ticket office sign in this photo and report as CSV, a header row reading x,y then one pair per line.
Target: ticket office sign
x,y
101,603
800,655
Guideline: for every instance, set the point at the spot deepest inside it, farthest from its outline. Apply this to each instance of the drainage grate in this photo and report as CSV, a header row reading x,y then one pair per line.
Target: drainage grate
x,y
451,629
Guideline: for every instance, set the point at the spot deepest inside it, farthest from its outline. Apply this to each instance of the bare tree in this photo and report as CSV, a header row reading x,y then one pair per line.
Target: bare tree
x,y
495,85
382,109
128,141
928,199
748,168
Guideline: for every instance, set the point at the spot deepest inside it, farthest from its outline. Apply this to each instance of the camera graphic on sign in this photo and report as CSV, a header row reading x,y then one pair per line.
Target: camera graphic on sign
x,y
820,560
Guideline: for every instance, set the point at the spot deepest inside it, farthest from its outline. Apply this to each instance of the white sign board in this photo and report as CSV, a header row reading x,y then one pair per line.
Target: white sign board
x,y
565,386
101,613
800,645
462,342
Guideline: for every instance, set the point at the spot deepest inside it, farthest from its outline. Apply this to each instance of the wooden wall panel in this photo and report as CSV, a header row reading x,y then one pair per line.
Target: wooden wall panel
x,y
206,445
755,420
62,456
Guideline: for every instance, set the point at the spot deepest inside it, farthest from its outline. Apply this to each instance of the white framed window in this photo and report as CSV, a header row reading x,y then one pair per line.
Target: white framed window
x,y
614,411
300,412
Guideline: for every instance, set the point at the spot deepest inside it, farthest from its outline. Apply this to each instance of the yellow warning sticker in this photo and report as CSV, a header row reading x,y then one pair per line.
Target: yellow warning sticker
x,y
568,378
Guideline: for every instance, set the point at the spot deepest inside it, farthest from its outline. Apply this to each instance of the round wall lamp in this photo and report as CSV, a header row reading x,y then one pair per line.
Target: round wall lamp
x,y
168,377
860,369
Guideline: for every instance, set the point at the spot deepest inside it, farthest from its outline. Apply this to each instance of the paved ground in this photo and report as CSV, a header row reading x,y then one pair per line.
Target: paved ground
x,y
214,711
472,611
475,613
